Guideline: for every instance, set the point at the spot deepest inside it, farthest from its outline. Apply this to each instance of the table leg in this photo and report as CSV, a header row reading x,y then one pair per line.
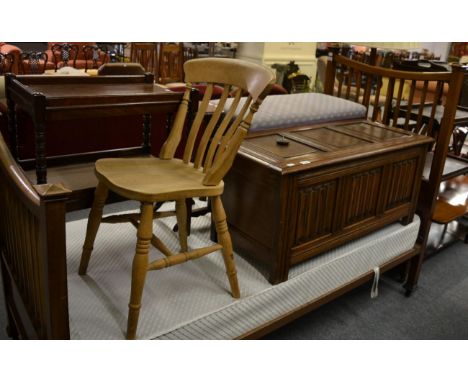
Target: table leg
x,y
12,128
147,133
41,163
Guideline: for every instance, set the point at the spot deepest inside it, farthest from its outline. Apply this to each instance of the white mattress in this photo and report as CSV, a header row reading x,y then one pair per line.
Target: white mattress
x,y
192,300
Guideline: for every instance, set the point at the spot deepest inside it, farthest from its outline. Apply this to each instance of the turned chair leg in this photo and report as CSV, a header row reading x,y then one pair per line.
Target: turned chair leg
x,y
224,238
181,212
94,220
139,267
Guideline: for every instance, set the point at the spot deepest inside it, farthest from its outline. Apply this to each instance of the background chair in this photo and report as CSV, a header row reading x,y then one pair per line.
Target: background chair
x,y
64,55
171,60
71,54
198,174
6,63
33,62
13,51
418,117
190,53
95,56
145,53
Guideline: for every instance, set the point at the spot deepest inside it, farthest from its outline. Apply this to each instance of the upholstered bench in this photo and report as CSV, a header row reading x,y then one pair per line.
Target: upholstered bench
x,y
289,110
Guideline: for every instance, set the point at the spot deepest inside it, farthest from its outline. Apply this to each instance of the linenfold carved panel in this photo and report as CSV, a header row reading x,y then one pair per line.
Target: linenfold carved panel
x,y
401,186
315,211
362,193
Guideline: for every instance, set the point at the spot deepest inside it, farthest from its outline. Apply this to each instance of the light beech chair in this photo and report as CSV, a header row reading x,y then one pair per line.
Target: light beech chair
x,y
199,174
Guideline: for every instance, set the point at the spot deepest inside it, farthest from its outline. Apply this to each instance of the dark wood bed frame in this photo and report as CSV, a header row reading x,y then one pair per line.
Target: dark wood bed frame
x,y
32,236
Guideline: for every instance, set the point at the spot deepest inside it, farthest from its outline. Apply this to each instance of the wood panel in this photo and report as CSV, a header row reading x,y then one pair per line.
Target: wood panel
x,y
401,187
316,205
362,194
33,254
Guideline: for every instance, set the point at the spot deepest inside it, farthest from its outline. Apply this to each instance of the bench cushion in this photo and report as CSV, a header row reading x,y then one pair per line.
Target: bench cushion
x,y
288,110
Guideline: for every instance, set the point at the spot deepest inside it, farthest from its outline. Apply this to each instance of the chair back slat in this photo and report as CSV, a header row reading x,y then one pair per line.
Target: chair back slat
x,y
340,78
409,106
229,147
347,80
231,130
396,109
215,143
227,126
172,142
202,108
367,91
358,78
388,100
375,103
207,134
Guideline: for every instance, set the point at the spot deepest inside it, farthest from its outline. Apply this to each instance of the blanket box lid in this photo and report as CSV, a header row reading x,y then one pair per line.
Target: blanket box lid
x,y
300,148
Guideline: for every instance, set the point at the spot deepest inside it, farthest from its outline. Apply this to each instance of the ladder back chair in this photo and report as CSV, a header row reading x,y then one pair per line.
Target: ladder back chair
x,y
390,97
145,53
199,173
171,60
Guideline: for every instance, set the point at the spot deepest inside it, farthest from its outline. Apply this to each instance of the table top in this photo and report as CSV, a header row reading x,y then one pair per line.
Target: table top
x,y
67,97
100,93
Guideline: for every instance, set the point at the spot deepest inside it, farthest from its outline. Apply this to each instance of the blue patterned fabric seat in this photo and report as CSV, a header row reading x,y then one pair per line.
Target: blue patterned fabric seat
x,y
281,111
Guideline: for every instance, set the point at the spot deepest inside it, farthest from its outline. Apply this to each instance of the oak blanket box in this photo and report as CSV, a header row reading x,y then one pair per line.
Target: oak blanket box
x,y
296,193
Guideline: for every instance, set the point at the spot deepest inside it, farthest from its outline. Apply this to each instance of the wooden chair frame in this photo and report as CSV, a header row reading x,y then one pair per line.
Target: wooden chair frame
x,y
199,173
171,60
95,54
33,62
64,53
146,54
6,62
51,254
344,73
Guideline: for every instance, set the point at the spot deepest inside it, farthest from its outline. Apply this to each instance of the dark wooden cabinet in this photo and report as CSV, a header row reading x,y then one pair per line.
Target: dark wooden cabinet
x,y
295,194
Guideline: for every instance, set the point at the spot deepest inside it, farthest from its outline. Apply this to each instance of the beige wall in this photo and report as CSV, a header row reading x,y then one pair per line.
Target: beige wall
x,y
268,53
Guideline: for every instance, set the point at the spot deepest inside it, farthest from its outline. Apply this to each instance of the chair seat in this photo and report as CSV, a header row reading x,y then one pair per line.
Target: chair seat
x,y
173,179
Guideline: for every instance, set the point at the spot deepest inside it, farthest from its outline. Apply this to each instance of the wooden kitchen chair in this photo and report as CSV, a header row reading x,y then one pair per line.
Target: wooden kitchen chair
x,y
199,174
